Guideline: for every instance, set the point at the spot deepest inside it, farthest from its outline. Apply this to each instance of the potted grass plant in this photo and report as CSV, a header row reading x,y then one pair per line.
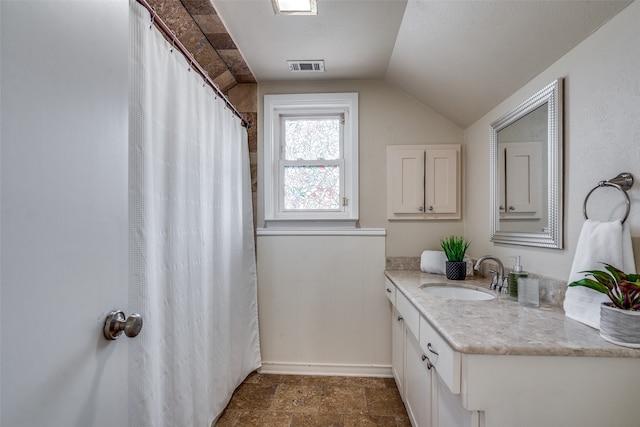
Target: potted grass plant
x,y
454,248
619,318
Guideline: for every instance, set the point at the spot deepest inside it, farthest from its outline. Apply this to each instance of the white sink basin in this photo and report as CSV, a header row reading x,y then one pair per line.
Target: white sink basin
x,y
456,292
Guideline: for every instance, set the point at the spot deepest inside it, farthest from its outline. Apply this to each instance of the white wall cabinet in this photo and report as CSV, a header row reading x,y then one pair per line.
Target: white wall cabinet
x,y
520,169
426,369
423,181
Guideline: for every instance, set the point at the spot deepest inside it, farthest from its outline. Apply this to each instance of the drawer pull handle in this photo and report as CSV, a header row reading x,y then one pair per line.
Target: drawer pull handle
x,y
430,348
424,357
388,290
400,318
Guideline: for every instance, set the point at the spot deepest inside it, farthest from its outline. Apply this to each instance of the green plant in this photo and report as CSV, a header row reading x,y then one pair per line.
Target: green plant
x,y
454,247
622,289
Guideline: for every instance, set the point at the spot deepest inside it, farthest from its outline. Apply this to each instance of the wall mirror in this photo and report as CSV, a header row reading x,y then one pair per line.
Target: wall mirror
x,y
526,172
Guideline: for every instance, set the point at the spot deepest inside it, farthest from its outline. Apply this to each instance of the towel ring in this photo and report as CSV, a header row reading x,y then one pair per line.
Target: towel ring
x,y
622,182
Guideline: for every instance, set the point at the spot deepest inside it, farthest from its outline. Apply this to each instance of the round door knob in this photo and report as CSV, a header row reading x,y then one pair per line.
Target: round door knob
x,y
116,324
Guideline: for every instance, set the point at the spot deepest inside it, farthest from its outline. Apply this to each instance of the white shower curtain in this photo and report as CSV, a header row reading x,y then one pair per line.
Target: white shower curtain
x,y
192,259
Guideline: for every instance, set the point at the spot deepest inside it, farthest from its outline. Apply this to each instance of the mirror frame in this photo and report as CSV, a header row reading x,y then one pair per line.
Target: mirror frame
x,y
553,237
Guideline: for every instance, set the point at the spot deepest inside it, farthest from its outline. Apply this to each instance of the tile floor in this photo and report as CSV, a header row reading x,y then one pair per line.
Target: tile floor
x,y
301,401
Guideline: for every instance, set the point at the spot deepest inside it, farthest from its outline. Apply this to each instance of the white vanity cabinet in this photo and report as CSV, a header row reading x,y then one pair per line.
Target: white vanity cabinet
x,y
423,181
536,369
425,368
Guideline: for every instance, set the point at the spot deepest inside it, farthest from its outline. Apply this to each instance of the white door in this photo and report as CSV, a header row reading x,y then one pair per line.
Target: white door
x,y
64,249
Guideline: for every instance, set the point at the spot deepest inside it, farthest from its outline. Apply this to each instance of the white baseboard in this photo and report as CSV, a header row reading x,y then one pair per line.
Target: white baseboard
x,y
383,371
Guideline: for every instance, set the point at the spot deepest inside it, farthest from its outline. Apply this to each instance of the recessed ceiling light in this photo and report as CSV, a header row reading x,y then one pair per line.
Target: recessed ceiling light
x,y
295,7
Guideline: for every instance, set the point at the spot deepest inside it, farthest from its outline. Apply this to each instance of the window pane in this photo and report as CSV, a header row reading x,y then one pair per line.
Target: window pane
x,y
312,187
312,139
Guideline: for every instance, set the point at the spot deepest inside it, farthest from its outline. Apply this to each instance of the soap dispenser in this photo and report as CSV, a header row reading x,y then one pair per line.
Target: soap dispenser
x,y
516,273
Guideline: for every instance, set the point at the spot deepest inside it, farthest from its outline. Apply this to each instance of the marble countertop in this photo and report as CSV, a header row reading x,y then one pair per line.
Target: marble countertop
x,y
502,326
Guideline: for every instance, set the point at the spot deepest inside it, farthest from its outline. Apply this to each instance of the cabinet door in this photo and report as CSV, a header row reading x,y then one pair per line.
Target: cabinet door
x,y
407,179
442,180
418,395
397,350
447,407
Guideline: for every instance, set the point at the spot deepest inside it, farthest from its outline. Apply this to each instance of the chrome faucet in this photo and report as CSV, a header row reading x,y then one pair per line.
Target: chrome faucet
x,y
498,281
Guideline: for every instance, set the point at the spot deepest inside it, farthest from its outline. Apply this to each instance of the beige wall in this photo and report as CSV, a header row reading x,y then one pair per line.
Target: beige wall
x,y
322,305
601,139
387,117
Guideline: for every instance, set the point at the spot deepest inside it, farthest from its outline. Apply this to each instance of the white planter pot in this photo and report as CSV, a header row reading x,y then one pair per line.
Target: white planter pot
x,y
621,327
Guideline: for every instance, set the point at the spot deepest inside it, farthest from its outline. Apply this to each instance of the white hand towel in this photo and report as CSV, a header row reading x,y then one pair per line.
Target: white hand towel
x,y
433,262
599,242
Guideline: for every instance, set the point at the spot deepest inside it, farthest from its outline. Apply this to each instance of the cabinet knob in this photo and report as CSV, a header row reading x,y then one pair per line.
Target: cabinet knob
x,y
400,318
429,364
388,290
430,208
511,208
420,208
501,208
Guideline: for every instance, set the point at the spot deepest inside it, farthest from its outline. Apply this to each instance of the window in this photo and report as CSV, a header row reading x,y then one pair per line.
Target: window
x,y
311,159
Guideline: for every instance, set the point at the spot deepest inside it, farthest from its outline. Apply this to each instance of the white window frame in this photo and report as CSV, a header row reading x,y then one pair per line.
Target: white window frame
x,y
300,105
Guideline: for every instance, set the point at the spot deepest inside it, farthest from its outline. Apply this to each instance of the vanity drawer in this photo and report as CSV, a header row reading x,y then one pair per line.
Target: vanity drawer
x,y
446,361
409,313
390,290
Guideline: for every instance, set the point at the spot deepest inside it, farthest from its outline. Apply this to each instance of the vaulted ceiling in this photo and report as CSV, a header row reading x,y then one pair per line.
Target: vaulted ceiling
x,y
460,58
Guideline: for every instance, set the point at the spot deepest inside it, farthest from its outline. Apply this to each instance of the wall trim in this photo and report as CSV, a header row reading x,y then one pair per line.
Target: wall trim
x,y
381,371
322,232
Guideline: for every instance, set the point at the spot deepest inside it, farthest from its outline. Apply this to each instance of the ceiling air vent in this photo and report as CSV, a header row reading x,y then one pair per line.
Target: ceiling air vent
x,y
306,66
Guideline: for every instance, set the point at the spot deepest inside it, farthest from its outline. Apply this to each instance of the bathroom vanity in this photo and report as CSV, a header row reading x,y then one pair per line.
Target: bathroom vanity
x,y
494,363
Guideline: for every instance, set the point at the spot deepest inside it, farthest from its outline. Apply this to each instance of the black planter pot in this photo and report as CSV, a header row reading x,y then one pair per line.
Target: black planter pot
x,y
456,270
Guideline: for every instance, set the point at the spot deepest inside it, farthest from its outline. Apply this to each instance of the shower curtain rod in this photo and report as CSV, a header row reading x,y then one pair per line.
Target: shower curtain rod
x,y
155,19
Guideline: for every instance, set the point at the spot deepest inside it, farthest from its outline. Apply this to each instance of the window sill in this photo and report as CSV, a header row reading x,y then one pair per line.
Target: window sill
x,y
324,231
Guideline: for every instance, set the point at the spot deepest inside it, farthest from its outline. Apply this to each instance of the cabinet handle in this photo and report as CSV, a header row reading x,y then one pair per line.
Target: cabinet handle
x,y
511,208
400,318
430,208
429,364
430,348
501,208
388,290
420,208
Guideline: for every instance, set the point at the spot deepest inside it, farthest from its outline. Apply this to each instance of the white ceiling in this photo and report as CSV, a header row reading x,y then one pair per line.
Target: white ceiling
x,y
460,58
